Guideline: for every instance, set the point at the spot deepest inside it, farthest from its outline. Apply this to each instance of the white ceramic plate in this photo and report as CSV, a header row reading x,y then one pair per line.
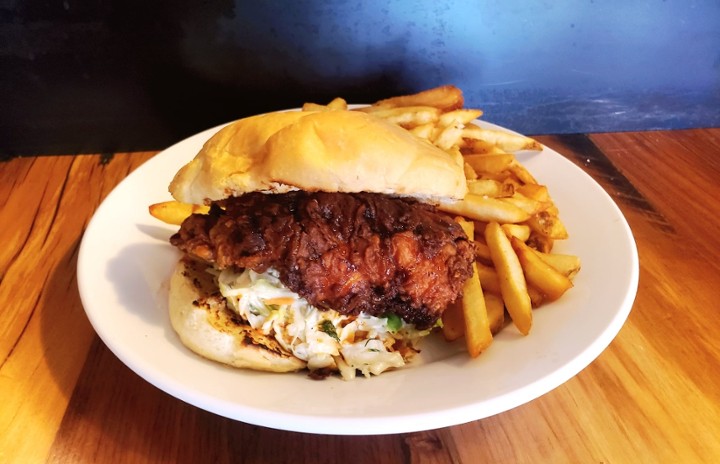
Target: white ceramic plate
x,y
125,262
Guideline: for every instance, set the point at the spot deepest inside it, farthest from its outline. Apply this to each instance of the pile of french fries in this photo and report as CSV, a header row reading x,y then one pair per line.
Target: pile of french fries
x,y
510,218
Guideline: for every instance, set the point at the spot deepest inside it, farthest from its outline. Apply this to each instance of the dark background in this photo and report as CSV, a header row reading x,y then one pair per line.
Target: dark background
x,y
115,75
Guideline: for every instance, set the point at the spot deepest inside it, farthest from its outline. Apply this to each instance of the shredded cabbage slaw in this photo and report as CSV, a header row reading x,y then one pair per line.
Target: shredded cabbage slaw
x,y
322,338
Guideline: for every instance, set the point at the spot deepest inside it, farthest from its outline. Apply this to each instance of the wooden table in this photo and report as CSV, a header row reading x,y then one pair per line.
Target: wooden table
x,y
653,396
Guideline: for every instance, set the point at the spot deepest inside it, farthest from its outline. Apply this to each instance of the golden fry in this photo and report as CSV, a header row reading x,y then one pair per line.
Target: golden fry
x,y
548,225
504,140
540,274
522,173
535,191
540,242
489,278
470,174
553,210
537,298
527,204
459,117
485,209
407,117
521,231
174,212
480,147
448,137
424,131
445,98
467,226
477,325
567,265
494,163
512,280
482,252
490,187
495,310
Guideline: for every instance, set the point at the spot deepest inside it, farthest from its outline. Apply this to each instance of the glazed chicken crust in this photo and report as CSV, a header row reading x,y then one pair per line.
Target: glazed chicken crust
x,y
359,252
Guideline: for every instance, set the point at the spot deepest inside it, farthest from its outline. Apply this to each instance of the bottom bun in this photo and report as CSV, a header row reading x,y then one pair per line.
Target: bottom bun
x,y
204,324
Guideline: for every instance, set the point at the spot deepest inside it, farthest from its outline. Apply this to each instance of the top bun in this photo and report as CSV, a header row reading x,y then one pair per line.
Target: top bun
x,y
330,151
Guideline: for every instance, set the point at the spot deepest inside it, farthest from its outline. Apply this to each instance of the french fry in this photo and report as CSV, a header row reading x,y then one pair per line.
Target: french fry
x,y
453,317
485,209
567,265
493,163
445,98
470,174
174,212
527,204
480,147
448,137
539,274
540,242
535,191
407,116
537,298
467,226
496,312
459,117
521,231
513,286
509,178
477,325
490,187
522,173
489,278
424,131
504,140
506,177
482,252
548,225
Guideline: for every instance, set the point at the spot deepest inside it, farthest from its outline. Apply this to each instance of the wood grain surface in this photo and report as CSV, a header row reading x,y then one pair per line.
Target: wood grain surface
x,y
653,396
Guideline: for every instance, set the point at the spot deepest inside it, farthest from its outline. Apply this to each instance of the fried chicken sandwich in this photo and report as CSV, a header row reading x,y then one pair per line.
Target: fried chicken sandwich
x,y
322,249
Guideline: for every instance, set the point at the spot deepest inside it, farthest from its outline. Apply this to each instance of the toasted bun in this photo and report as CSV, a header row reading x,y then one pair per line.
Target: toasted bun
x,y
208,328
331,151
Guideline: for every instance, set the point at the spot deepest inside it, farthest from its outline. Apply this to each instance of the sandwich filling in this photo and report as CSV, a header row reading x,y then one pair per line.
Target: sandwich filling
x,y
346,281
326,340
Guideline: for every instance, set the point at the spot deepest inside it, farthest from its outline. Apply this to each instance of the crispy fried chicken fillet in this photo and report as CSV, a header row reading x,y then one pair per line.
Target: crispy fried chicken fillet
x,y
364,252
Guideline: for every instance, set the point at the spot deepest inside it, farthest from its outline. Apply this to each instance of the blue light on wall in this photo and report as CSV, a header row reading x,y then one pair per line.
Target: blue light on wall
x,y
539,67
133,74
